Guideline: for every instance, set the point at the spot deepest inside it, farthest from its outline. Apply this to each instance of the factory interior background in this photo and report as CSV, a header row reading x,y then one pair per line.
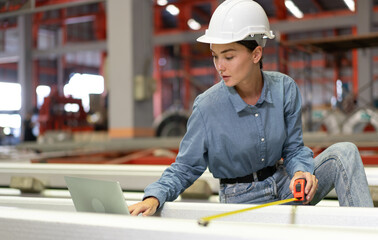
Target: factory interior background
x,y
104,88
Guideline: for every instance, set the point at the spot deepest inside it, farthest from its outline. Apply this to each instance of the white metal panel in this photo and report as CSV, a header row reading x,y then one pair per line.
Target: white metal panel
x,y
283,214
131,177
37,224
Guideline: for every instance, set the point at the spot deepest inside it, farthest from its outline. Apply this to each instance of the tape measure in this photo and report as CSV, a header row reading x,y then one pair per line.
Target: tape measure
x,y
299,195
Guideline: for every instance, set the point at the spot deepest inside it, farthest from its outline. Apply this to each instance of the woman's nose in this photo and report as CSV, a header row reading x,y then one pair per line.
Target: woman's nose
x,y
220,67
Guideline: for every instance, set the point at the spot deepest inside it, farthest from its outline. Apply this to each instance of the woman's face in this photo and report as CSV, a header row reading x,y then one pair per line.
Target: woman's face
x,y
234,62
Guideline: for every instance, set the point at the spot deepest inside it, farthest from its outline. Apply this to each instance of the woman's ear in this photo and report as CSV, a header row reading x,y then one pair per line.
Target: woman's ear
x,y
257,54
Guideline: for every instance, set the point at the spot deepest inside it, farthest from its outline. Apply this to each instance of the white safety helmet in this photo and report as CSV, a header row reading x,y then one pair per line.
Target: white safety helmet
x,y
236,20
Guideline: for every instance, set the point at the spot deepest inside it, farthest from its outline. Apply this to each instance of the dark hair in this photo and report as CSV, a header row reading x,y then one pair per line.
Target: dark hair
x,y
250,45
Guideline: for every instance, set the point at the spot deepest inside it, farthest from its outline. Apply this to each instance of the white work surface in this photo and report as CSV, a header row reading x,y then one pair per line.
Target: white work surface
x,y
31,224
304,215
19,223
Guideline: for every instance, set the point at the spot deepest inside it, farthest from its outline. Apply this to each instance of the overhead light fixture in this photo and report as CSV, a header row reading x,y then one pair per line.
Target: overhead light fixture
x,y
350,4
293,9
172,9
162,2
193,24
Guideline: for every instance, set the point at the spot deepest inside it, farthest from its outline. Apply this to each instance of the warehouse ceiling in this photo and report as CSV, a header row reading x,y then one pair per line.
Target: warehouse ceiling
x,y
306,6
201,10
275,7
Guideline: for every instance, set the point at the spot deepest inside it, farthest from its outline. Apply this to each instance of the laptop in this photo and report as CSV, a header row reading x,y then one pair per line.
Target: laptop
x,y
94,195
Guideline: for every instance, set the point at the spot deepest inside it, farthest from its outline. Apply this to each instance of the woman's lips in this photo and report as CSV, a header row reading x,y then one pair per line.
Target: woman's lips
x,y
225,77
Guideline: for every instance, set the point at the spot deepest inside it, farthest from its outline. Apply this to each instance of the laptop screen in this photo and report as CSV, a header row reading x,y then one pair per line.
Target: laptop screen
x,y
94,195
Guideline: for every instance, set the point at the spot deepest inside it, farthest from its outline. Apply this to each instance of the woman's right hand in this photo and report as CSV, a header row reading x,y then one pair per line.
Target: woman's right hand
x,y
147,207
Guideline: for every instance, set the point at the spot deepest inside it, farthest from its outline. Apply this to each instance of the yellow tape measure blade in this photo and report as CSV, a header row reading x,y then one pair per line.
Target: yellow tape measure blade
x,y
205,220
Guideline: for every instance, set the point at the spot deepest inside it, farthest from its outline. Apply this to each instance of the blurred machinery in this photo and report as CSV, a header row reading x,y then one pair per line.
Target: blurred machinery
x,y
98,115
171,123
362,120
329,121
55,114
336,122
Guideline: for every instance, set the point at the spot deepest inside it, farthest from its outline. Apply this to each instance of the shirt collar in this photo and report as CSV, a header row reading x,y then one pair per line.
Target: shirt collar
x,y
238,102
266,94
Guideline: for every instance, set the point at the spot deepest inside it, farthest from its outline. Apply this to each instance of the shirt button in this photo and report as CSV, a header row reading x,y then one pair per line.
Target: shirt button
x,y
256,114
262,159
262,139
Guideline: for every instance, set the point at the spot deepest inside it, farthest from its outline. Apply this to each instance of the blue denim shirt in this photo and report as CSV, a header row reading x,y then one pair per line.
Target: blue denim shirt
x,y
234,139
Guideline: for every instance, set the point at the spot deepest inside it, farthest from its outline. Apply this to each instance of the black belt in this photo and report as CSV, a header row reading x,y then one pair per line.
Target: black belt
x,y
261,176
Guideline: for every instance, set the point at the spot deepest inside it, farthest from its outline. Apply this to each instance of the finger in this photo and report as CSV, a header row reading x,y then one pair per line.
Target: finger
x,y
310,183
131,211
134,212
131,208
148,212
309,197
316,186
137,211
311,194
313,190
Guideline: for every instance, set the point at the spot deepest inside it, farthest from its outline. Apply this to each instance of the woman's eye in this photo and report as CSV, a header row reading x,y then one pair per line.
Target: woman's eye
x,y
229,58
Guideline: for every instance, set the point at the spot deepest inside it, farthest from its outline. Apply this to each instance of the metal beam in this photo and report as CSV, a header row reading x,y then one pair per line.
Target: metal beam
x,y
131,177
311,24
60,149
365,24
34,9
69,48
8,57
176,38
24,72
337,43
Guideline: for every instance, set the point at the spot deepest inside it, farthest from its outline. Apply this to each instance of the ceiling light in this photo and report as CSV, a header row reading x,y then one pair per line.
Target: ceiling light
x,y
172,9
193,24
162,2
293,9
7,131
350,4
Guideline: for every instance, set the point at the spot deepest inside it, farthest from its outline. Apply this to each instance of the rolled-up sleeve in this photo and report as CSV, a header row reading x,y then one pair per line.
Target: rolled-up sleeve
x,y
190,162
297,157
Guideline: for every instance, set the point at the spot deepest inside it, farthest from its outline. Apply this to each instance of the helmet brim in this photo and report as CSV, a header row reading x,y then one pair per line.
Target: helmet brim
x,y
206,39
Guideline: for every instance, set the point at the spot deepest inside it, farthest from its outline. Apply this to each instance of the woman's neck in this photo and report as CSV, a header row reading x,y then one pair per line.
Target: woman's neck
x,y
250,90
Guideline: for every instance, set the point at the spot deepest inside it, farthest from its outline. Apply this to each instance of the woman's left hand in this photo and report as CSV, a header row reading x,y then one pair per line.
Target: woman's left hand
x,y
311,185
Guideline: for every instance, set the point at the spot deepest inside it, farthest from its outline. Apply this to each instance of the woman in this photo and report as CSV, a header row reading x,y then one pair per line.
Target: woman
x,y
244,125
